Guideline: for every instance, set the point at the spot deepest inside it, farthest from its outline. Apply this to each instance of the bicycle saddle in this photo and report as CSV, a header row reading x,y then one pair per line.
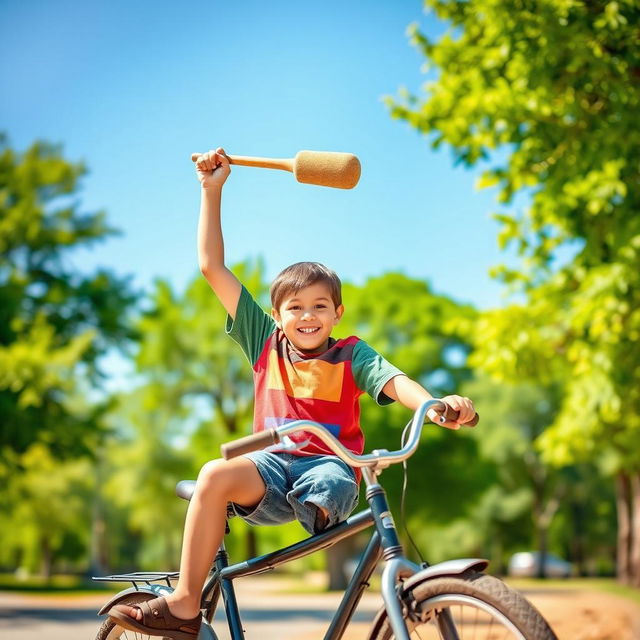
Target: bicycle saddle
x,y
184,489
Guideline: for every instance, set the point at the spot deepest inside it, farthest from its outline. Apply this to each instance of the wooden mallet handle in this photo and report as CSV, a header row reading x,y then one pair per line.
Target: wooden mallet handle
x,y
285,164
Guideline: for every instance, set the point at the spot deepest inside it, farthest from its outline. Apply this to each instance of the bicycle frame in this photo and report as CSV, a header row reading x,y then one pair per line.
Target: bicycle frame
x,y
383,543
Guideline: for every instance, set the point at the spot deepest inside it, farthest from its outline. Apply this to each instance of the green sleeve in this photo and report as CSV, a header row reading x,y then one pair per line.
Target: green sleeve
x,y
251,327
371,372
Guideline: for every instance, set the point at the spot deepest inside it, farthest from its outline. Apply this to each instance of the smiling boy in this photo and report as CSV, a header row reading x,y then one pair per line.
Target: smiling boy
x,y
300,373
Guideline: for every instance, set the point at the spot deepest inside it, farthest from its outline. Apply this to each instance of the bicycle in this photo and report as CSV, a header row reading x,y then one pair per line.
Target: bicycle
x,y
452,600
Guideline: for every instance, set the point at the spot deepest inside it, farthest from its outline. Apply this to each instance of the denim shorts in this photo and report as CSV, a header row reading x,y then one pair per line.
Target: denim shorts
x,y
297,485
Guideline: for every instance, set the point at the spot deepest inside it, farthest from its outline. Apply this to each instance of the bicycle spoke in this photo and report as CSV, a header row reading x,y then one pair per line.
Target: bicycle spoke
x,y
124,634
491,630
475,624
419,636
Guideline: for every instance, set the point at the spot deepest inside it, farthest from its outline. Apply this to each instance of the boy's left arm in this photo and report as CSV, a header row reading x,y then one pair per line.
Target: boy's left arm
x,y
411,394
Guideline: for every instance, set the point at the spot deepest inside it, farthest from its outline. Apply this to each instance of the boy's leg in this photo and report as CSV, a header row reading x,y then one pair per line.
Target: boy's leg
x,y
324,491
219,482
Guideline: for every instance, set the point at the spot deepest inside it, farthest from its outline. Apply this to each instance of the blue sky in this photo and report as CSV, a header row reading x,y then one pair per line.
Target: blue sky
x,y
132,88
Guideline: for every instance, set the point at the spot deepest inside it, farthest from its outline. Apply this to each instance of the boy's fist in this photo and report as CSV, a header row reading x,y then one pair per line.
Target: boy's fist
x,y
463,406
213,168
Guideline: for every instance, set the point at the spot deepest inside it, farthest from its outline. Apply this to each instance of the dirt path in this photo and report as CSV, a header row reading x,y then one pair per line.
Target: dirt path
x,y
272,611
577,614
573,613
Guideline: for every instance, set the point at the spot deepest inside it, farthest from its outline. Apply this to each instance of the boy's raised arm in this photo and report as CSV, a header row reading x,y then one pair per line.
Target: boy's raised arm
x,y
213,169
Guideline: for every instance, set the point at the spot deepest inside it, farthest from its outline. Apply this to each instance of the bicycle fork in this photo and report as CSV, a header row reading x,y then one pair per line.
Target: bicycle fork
x,y
397,567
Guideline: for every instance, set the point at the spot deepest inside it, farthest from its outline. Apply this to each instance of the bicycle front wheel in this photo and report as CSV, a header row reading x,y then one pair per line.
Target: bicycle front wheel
x,y
474,606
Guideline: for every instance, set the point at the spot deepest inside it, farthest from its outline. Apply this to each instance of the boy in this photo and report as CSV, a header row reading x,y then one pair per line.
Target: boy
x,y
300,372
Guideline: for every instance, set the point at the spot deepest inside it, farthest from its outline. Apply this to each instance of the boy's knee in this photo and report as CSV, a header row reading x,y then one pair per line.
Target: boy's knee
x,y
232,480
214,476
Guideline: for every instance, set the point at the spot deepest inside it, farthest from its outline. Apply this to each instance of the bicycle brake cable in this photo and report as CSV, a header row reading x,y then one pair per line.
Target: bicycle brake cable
x,y
403,518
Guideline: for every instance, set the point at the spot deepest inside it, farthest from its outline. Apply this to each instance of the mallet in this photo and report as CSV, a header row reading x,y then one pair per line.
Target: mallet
x,y
324,168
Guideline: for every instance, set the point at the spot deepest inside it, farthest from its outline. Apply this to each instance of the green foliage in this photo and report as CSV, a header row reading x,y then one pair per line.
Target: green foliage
x,y
544,99
549,95
48,513
421,332
195,391
142,465
185,351
55,323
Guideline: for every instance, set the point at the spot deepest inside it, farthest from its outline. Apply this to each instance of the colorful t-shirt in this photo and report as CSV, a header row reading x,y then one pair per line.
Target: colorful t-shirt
x,y
322,387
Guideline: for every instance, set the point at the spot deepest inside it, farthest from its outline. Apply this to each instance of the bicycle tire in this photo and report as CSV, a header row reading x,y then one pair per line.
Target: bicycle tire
x,y
110,630
486,599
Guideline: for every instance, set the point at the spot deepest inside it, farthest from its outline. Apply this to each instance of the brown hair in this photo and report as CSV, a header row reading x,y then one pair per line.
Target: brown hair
x,y
301,275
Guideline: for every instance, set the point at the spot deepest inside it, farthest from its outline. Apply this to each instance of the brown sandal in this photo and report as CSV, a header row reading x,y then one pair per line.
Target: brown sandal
x,y
157,620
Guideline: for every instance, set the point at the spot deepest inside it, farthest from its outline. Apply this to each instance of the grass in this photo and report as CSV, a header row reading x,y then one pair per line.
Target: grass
x,y
308,583
56,585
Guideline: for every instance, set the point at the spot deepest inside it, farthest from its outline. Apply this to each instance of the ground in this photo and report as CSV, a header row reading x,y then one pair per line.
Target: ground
x,y
575,612
274,608
587,615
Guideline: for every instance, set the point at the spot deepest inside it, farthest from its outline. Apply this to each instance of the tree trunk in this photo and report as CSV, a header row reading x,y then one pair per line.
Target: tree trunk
x,y
623,506
170,555
543,513
496,553
634,555
251,542
542,550
98,560
336,556
577,544
98,550
46,568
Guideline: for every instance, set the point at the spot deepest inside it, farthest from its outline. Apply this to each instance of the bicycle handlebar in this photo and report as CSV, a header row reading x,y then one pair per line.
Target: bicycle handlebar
x,y
249,443
274,436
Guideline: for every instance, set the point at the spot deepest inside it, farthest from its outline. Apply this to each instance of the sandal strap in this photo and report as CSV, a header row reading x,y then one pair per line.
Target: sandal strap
x,y
153,613
157,615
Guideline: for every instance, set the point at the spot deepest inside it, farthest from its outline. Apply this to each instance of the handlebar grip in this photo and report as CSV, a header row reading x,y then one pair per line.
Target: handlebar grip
x,y
252,442
452,414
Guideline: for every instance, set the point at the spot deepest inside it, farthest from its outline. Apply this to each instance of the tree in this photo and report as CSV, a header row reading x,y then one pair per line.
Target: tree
x,y
423,334
49,511
196,392
549,94
143,461
55,323
515,415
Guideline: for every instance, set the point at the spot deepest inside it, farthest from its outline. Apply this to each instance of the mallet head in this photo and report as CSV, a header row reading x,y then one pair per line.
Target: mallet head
x,y
327,169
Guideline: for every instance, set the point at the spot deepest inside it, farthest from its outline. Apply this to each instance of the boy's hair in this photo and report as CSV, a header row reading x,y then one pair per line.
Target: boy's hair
x,y
301,275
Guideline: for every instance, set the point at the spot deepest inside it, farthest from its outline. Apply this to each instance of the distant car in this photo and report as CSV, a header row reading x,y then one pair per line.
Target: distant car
x,y
525,565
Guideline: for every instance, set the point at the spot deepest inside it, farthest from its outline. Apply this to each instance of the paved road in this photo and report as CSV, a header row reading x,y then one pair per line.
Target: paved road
x,y
265,617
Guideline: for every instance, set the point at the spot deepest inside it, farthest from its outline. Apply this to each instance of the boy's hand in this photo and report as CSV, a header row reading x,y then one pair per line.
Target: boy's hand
x,y
463,406
213,168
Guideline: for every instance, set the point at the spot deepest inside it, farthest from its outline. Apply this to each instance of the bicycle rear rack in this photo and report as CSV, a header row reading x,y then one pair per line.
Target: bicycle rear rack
x,y
144,577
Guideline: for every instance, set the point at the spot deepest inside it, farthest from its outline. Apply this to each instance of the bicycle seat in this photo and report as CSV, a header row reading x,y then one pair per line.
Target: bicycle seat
x,y
184,489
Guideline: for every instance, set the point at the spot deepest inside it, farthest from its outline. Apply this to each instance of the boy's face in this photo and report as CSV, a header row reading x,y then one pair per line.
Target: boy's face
x,y
307,317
